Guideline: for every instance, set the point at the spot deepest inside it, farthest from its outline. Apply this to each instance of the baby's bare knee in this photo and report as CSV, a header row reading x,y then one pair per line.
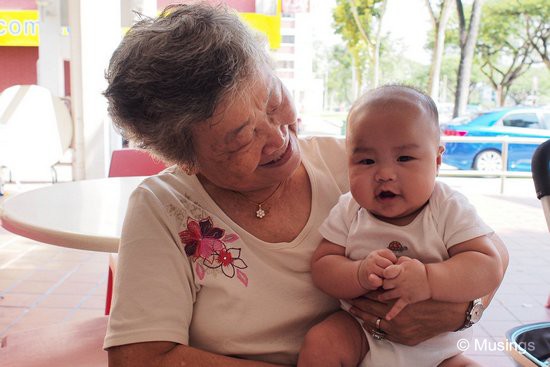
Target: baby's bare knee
x,y
325,345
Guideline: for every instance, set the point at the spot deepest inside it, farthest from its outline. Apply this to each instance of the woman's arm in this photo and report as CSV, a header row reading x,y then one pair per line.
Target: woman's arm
x,y
160,354
424,320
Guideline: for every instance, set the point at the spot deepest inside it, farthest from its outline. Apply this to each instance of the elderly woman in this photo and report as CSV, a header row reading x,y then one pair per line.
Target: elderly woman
x,y
214,265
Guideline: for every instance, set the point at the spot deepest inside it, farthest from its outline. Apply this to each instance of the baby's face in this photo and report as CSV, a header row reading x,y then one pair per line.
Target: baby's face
x,y
393,157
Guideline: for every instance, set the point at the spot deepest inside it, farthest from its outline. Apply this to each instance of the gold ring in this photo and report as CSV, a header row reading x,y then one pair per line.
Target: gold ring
x,y
378,320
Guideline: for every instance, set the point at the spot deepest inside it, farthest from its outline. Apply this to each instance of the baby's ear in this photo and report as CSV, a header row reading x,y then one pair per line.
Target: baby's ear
x,y
440,151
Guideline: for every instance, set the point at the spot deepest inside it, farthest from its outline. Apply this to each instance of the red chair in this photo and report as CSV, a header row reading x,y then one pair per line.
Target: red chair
x,y
134,162
125,163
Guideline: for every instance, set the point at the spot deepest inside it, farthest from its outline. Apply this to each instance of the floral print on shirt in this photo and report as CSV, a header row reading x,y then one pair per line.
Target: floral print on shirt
x,y
207,245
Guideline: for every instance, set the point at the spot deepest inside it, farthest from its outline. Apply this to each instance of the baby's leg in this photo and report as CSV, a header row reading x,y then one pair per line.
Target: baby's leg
x,y
460,360
338,340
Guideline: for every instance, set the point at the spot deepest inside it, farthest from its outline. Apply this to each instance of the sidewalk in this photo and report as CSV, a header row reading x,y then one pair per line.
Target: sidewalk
x,y
42,284
518,218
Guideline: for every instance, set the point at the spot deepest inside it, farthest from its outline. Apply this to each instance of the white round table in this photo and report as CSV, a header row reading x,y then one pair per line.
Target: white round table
x,y
85,215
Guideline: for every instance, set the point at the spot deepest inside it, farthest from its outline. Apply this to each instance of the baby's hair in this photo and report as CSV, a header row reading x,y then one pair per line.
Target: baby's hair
x,y
425,100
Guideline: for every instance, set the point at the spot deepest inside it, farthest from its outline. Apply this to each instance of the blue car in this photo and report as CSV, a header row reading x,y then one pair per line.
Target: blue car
x,y
513,122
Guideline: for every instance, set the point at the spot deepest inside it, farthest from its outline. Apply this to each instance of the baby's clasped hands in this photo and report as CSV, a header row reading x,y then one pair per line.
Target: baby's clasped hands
x,y
370,272
407,280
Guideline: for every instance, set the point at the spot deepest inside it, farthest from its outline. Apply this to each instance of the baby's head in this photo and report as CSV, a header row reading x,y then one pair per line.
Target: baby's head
x,y
394,151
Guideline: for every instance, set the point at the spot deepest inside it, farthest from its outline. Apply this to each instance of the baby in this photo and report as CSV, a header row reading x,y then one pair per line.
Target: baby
x,y
399,230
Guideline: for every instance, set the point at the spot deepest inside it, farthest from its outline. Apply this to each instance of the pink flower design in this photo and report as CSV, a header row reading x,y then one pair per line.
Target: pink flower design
x,y
201,238
228,259
207,245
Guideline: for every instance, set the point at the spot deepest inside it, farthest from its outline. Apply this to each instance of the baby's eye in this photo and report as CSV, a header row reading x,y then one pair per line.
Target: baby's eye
x,y
366,161
405,158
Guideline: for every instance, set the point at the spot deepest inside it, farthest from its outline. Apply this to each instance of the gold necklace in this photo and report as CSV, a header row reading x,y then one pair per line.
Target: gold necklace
x,y
260,212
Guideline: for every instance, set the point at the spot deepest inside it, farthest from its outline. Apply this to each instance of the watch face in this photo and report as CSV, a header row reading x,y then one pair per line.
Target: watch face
x,y
477,311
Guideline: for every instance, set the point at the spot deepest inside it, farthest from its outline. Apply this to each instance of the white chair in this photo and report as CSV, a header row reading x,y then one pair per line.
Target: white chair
x,y
36,132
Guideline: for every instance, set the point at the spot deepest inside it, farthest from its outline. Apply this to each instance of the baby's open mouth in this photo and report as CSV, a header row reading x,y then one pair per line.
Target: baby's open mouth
x,y
386,195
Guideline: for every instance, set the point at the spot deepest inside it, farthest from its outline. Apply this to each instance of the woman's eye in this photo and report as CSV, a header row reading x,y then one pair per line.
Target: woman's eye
x,y
405,158
366,161
273,107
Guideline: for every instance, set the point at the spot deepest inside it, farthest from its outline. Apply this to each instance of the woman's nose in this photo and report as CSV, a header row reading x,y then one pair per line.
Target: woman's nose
x,y
276,138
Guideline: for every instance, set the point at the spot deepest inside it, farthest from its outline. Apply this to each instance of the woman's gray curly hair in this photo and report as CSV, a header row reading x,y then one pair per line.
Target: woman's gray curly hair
x,y
170,72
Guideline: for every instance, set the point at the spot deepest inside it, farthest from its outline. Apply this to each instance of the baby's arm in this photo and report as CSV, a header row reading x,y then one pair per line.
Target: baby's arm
x,y
341,277
473,270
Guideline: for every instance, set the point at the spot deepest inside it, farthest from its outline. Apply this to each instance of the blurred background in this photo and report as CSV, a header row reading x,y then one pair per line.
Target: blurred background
x,y
471,56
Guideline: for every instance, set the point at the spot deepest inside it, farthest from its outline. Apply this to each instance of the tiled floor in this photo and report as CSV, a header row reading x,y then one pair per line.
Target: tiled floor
x,y
42,284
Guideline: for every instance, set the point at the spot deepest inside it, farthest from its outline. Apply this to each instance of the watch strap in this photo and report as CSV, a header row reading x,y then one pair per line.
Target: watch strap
x,y
468,322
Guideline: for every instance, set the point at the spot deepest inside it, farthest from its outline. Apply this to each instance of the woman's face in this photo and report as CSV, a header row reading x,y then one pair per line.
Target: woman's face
x,y
250,142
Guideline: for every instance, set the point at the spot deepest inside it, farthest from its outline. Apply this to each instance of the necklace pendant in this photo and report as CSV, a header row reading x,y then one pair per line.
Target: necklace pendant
x,y
260,213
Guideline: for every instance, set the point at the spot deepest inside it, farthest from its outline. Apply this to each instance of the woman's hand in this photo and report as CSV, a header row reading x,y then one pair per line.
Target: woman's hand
x,y
415,323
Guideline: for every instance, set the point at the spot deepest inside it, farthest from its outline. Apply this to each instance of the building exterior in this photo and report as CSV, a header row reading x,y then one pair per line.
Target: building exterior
x,y
294,59
18,42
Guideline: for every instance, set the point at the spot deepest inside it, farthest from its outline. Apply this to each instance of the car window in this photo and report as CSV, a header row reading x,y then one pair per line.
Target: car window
x,y
546,119
528,120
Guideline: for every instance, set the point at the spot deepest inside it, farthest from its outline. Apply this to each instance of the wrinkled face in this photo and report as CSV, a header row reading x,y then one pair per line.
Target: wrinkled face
x,y
393,156
250,142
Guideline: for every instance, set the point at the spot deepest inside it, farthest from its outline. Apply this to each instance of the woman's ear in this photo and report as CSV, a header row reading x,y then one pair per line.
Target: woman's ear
x,y
189,169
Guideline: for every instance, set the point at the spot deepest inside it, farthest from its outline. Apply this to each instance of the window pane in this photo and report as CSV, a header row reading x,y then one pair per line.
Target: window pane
x,y
288,38
528,120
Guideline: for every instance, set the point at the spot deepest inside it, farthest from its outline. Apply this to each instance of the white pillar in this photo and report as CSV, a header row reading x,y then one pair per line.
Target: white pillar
x,y
50,61
95,32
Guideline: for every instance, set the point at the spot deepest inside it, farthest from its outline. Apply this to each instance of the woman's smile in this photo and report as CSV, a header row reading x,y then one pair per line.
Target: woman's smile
x,y
284,157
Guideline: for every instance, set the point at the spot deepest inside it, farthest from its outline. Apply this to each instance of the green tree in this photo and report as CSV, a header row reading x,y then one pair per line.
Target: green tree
x,y
338,78
505,48
532,87
537,23
359,22
398,70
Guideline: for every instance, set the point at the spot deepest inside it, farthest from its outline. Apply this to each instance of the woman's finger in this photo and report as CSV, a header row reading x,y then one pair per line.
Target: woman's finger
x,y
369,310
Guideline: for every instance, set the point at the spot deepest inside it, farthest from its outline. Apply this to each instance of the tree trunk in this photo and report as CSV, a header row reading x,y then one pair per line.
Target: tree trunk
x,y
376,51
439,44
501,97
467,47
356,79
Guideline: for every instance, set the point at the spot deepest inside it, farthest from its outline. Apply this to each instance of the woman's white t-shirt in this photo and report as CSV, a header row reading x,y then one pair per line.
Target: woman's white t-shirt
x,y
188,274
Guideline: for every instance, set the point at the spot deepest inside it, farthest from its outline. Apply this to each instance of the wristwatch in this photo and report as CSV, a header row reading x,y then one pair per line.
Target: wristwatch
x,y
473,313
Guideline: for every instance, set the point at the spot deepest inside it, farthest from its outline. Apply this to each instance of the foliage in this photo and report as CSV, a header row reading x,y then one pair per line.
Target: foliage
x,y
537,21
339,78
534,84
504,46
355,21
395,69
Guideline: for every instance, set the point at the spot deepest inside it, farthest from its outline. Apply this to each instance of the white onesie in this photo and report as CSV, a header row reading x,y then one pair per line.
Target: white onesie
x,y
447,220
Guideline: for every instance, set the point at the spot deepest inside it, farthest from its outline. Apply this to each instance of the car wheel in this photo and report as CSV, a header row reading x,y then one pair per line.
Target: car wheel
x,y
488,160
